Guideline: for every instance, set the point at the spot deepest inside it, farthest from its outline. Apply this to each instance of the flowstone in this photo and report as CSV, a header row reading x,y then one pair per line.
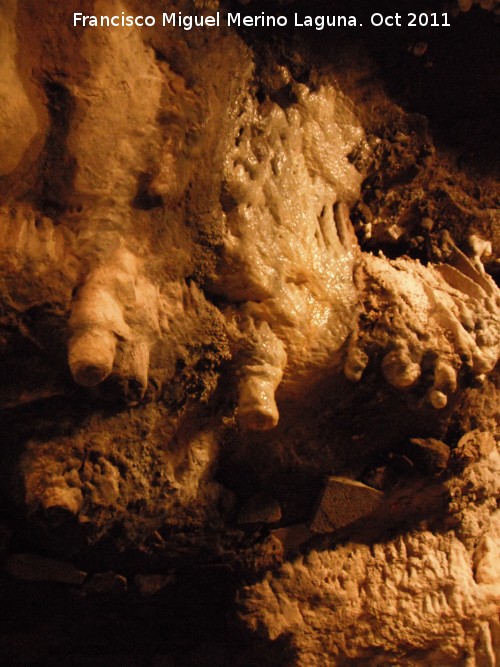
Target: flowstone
x,y
194,338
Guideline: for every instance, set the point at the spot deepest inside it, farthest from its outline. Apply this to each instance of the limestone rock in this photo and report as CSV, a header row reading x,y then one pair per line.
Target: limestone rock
x,y
459,297
430,454
181,288
342,502
19,124
474,445
289,247
443,587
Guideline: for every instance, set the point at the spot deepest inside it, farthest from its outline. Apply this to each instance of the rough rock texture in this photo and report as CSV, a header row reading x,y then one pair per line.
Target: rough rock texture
x,y
342,502
248,337
421,598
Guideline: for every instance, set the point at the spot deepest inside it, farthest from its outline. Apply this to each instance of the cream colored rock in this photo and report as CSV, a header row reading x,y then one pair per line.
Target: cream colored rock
x,y
38,262
18,121
289,260
117,265
421,598
474,445
115,275
441,319
109,156
289,252
115,307
486,556
289,248
261,371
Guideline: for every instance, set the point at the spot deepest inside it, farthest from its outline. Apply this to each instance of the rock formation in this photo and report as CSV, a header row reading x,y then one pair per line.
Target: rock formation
x,y
248,330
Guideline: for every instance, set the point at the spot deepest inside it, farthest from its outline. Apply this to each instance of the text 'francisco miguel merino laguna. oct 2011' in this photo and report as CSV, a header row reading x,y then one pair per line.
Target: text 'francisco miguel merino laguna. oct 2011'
x,y
261,20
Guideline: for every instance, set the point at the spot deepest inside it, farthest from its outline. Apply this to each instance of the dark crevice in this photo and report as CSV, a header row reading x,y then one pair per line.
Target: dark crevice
x,y
57,167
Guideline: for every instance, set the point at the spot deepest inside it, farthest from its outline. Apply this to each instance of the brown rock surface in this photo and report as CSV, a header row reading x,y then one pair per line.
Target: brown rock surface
x,y
193,336
342,502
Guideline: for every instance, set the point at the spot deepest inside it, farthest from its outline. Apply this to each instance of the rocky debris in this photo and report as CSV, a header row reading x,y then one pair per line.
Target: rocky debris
x,y
261,508
260,558
423,318
387,233
32,567
473,446
342,502
442,586
106,583
430,455
150,584
486,561
61,502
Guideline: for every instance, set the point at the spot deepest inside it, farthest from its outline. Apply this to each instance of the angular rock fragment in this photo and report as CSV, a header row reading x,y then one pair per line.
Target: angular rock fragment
x,y
32,567
430,455
342,502
473,446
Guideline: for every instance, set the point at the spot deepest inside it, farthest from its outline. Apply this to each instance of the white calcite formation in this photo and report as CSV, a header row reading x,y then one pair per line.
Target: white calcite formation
x,y
123,268
289,252
289,260
422,598
289,249
439,319
19,125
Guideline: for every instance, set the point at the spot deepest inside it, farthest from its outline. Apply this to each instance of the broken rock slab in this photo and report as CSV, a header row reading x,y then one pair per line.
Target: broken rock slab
x,y
32,567
342,502
429,454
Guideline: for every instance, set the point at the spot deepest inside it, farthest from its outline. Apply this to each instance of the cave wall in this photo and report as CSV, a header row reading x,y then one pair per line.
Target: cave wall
x,y
248,333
